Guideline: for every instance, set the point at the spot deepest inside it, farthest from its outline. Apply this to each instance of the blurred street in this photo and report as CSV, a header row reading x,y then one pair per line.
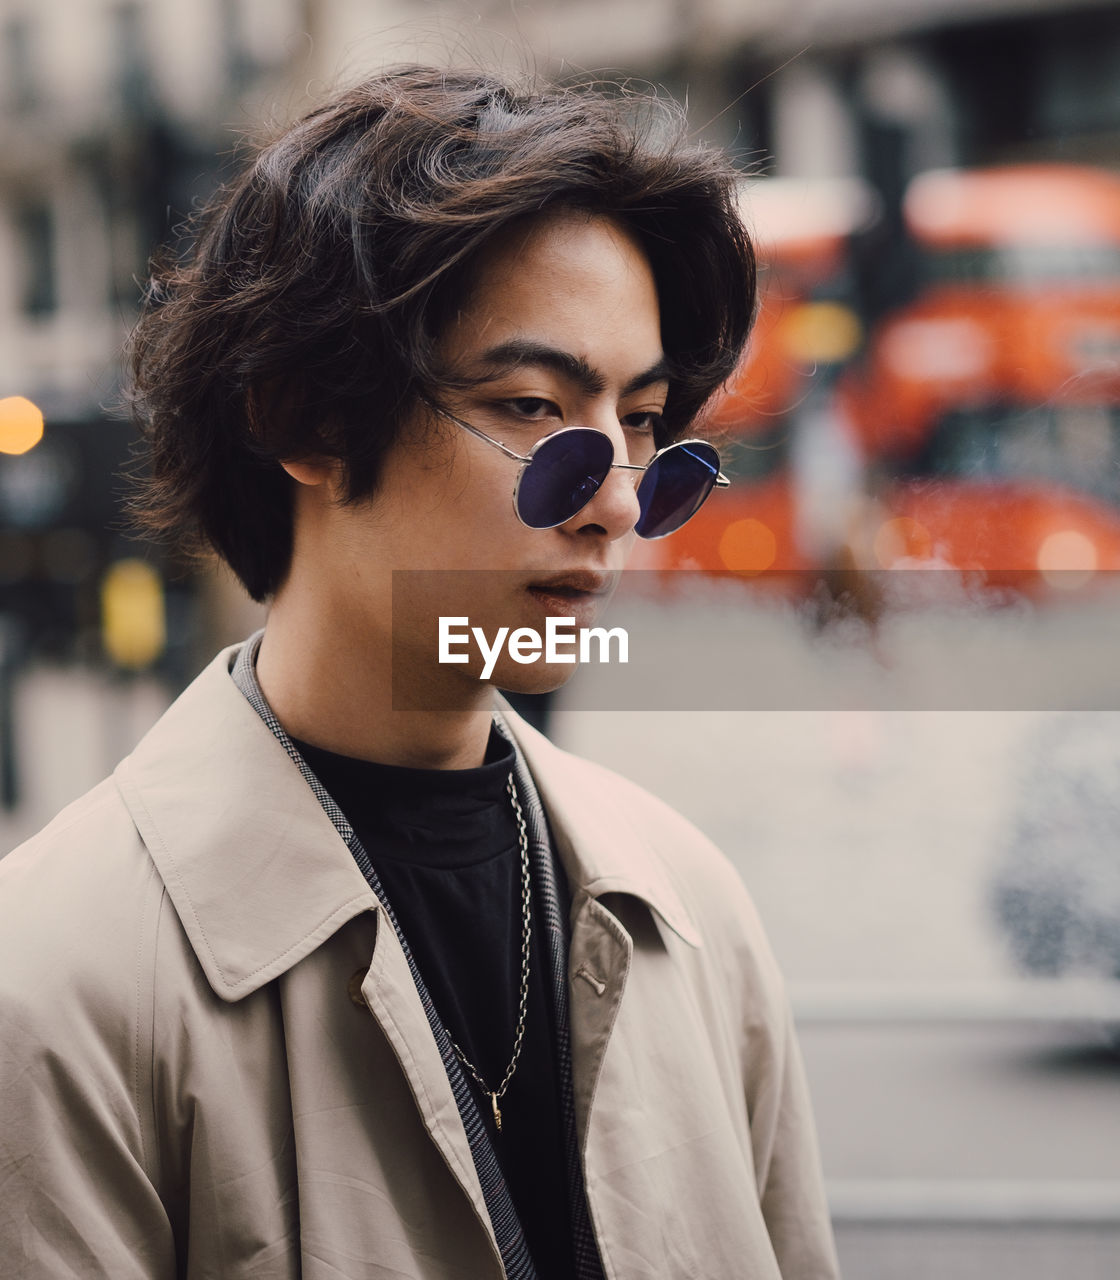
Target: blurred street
x,y
969,1116
71,728
969,1149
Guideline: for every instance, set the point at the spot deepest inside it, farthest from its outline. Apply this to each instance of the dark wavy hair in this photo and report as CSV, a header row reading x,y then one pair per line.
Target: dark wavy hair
x,y
306,318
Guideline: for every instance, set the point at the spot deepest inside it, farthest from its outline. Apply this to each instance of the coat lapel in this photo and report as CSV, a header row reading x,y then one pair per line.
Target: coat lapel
x,y
605,845
256,871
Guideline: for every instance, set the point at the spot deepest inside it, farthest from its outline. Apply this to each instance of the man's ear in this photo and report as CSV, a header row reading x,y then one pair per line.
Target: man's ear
x,y
270,402
311,471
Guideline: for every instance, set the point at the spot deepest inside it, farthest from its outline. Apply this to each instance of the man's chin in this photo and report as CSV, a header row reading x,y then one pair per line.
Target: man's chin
x,y
468,691
540,678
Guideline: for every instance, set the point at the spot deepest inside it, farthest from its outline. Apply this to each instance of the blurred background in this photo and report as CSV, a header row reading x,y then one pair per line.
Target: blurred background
x,y
934,382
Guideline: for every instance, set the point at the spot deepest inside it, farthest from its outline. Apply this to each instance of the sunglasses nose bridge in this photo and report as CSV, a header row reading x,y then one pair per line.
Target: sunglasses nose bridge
x,y
614,505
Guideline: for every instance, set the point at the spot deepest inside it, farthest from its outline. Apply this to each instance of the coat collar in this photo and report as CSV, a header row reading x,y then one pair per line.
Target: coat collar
x,y
257,872
609,834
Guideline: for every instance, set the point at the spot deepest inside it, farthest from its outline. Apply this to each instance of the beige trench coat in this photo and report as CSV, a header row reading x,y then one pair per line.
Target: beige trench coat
x,y
214,1063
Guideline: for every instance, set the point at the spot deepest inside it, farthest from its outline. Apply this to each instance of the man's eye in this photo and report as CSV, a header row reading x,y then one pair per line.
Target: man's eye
x,y
648,421
531,408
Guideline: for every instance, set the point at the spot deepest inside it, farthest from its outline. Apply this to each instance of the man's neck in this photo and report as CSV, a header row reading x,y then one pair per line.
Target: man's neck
x,y
332,693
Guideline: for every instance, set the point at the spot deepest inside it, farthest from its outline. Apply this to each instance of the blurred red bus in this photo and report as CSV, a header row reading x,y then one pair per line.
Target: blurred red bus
x,y
758,529
989,408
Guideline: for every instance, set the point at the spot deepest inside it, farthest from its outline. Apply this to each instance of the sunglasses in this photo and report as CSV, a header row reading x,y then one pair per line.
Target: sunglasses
x,y
563,471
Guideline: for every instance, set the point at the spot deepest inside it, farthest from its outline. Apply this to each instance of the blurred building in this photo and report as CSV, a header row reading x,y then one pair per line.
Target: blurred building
x,y
114,120
115,117
111,117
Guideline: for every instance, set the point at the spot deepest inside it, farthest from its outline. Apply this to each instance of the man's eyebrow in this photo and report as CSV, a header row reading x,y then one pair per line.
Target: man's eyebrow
x,y
659,371
518,351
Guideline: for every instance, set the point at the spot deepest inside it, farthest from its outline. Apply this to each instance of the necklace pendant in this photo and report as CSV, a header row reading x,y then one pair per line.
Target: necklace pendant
x,y
497,1113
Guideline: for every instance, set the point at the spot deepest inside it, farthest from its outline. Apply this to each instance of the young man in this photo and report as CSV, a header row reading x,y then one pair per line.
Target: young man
x,y
323,984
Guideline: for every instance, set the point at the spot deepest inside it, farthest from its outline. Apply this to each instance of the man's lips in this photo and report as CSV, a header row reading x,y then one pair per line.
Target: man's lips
x,y
577,584
579,594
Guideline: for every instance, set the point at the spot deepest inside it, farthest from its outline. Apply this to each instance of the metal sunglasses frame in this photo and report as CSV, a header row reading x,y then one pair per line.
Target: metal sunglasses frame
x,y
721,481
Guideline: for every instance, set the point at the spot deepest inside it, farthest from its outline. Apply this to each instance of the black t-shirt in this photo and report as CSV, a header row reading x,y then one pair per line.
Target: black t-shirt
x,y
444,843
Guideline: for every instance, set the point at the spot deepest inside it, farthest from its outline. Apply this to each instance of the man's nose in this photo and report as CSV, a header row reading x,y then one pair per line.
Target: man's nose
x,y
614,508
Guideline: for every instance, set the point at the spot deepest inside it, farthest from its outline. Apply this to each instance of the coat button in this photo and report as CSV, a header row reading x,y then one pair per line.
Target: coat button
x,y
354,989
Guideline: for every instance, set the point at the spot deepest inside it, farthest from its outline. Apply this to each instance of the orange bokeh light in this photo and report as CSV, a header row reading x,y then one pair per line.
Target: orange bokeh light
x,y
748,546
902,539
21,425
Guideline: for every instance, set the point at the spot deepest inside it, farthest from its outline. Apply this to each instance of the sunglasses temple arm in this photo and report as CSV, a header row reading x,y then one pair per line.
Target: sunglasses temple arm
x,y
517,457
721,480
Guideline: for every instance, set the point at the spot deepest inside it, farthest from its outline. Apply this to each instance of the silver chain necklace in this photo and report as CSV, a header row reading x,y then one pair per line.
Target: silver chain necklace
x,y
526,934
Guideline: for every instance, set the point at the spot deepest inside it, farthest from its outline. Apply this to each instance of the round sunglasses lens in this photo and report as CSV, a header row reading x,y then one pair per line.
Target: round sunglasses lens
x,y
563,476
674,487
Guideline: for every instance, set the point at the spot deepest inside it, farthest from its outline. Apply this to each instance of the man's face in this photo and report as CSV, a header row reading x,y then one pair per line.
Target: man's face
x,y
560,329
